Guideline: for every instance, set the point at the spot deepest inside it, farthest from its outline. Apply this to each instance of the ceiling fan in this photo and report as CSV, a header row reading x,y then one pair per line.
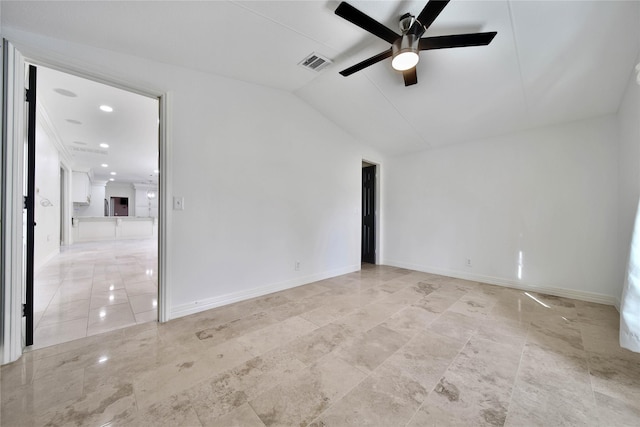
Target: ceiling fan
x,y
405,47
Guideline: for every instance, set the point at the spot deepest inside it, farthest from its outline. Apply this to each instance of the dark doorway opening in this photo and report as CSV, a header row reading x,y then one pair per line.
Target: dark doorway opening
x,y
120,206
368,213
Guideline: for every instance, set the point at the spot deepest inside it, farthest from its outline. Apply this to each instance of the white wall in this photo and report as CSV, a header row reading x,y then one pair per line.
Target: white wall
x,y
550,193
629,168
266,180
144,206
47,230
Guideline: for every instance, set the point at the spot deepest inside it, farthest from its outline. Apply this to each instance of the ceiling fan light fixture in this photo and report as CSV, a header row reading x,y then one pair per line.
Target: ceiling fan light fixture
x,y
405,61
405,53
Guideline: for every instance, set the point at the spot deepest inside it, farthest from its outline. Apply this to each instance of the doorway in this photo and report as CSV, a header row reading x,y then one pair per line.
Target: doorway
x,y
119,206
103,275
368,243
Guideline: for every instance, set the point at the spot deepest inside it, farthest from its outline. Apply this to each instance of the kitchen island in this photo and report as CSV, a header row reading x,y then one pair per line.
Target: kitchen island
x,y
91,229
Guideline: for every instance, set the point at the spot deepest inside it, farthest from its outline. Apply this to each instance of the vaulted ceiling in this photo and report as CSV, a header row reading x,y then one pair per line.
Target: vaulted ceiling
x,y
551,62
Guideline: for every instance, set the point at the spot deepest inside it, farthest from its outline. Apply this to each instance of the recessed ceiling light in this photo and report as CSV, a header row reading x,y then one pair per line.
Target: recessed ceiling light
x,y
156,171
75,122
111,179
113,173
65,92
104,145
104,165
106,108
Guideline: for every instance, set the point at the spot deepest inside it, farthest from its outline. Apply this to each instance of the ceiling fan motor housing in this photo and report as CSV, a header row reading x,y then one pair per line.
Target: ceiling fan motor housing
x,y
406,43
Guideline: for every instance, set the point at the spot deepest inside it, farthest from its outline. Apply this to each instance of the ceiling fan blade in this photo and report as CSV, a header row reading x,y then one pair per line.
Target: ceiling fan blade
x,y
457,40
367,62
410,77
429,14
353,15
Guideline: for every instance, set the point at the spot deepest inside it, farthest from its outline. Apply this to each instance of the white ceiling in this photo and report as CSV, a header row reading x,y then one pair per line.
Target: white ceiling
x,y
551,62
72,107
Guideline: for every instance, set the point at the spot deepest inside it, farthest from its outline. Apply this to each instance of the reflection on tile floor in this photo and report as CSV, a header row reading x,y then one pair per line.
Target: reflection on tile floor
x,y
383,346
91,288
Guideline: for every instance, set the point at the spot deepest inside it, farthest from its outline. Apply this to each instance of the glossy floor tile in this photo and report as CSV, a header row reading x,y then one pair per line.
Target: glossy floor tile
x,y
91,288
380,347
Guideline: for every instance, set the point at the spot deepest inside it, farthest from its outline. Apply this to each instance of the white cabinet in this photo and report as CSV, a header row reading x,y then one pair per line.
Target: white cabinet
x,y
81,188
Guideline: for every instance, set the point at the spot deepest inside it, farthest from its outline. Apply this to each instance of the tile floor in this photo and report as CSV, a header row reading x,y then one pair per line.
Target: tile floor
x,y
382,347
91,288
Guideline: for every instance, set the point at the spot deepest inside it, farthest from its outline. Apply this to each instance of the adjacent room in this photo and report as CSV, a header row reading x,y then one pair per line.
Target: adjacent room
x,y
342,235
96,185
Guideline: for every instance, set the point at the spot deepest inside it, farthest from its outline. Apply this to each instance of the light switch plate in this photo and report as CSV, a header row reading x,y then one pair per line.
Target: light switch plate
x,y
178,203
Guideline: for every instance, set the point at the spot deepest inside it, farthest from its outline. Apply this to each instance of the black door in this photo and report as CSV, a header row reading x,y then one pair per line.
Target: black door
x,y
30,204
368,214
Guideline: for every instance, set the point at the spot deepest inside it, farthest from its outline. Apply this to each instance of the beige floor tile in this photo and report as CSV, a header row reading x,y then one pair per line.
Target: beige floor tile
x,y
368,350
276,335
139,288
108,318
55,333
425,358
370,316
410,320
89,274
437,301
474,305
455,325
102,299
147,316
243,416
63,312
430,415
236,328
481,405
380,400
174,377
106,405
170,412
225,392
381,346
616,375
612,411
144,302
305,396
318,343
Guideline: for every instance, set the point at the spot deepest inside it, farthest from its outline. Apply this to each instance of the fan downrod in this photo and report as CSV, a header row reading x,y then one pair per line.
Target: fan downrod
x,y
405,22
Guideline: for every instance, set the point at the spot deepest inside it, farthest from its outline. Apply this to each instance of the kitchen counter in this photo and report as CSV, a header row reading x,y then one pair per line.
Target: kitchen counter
x,y
90,229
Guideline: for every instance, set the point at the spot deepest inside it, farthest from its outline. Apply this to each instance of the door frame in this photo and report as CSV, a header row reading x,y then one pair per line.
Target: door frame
x,y
12,202
11,285
65,204
377,204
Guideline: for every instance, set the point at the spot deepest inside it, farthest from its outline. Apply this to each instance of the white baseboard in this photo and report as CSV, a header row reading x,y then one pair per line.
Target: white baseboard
x,y
560,292
46,259
218,301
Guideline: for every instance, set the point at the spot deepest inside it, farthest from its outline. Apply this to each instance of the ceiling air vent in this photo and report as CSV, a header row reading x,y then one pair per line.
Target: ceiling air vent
x,y
89,150
315,62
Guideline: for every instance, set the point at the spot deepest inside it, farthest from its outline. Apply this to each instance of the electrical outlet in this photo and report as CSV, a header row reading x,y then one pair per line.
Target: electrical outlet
x,y
296,266
178,203
468,262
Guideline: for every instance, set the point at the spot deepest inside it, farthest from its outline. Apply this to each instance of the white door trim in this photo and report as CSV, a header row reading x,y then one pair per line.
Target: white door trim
x,y
377,207
12,283
12,204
